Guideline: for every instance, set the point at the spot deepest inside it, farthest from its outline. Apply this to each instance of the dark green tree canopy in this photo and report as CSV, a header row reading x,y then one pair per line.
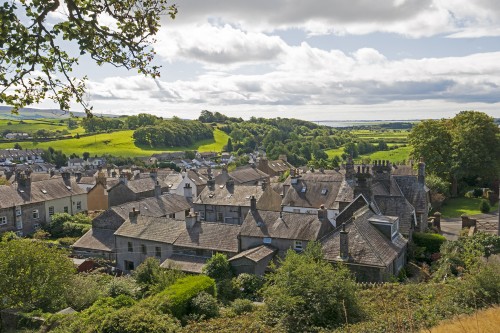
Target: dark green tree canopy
x,y
33,63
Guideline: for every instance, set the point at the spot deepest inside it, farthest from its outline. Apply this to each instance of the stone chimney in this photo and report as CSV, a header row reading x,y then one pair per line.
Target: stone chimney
x,y
209,172
191,220
230,183
253,203
281,211
101,178
349,169
65,176
157,189
381,171
132,216
52,173
123,179
153,173
78,176
322,213
421,172
188,191
363,183
344,244
263,184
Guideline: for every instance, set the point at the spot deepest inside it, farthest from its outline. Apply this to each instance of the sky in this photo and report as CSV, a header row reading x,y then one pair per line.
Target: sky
x,y
314,60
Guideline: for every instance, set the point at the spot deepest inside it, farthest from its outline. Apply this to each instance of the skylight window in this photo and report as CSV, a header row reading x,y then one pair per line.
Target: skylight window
x,y
324,191
304,189
44,191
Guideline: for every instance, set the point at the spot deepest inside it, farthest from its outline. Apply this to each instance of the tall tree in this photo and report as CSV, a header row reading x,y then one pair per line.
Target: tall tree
x,y
34,64
34,275
466,146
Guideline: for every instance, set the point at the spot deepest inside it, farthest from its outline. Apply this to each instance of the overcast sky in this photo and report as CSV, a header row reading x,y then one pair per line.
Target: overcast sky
x,y
316,60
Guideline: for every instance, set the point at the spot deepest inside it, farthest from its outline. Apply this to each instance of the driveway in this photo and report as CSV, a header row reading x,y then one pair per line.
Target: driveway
x,y
450,227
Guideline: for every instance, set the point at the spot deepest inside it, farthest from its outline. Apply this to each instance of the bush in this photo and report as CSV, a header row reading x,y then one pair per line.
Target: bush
x,y
138,319
431,242
218,267
85,289
67,241
240,306
204,306
121,286
176,299
484,206
477,192
249,285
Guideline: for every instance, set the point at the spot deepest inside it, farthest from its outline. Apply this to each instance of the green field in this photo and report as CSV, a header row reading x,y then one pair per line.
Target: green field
x,y
119,143
31,126
455,207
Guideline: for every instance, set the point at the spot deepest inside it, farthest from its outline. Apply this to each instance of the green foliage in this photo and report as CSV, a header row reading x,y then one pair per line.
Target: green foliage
x,y
431,242
240,306
176,299
34,275
437,184
249,285
55,157
152,278
121,286
170,133
218,267
229,146
138,319
85,289
66,225
483,286
34,64
204,306
306,291
484,206
465,254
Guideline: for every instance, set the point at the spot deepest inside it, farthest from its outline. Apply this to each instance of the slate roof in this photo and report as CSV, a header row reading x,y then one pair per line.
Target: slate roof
x,y
247,174
210,236
158,229
367,245
97,239
9,197
278,165
49,189
262,223
190,264
397,206
162,206
415,192
311,194
197,178
256,254
236,195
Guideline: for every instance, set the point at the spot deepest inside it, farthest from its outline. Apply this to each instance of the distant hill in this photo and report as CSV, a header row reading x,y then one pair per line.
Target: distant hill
x,y
32,113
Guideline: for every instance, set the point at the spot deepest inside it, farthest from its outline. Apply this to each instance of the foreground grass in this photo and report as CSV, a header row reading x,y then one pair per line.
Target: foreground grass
x,y
485,321
119,143
455,207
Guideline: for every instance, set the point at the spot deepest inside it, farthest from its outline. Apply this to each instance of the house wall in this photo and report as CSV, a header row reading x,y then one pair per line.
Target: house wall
x,y
120,194
230,214
70,202
97,198
136,256
87,253
281,244
180,188
24,224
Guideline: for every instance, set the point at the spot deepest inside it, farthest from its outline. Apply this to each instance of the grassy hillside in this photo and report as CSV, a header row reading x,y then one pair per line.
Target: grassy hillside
x,y
120,144
486,321
30,126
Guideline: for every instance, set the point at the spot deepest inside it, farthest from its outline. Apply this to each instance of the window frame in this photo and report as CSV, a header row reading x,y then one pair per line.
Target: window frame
x,y
130,247
79,205
4,218
35,214
158,251
51,210
298,245
144,249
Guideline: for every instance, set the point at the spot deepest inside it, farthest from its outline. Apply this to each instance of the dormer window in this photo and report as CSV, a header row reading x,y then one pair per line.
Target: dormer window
x,y
304,189
324,191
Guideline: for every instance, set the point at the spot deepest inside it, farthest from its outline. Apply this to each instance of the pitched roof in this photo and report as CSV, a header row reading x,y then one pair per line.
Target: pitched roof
x,y
262,223
397,206
247,174
158,229
210,236
313,194
9,197
236,195
367,245
97,239
278,165
49,189
255,254
190,264
413,191
197,178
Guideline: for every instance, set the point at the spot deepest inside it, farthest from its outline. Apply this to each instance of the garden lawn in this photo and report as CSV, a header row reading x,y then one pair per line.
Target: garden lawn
x,y
396,155
455,207
119,143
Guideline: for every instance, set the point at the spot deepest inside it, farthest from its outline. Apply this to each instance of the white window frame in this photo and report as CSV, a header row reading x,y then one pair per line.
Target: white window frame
x,y
3,220
79,205
35,214
51,210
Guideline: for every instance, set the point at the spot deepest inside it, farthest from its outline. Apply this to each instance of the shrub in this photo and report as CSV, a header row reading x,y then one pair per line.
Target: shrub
x,y
71,229
484,206
138,319
176,299
431,242
67,241
240,306
205,306
218,267
85,289
249,285
477,192
121,286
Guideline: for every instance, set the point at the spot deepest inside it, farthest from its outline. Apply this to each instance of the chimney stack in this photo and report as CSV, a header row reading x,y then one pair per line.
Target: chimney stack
x,y
344,244
322,213
191,220
253,203
421,172
123,179
263,185
133,215
188,191
65,175
157,189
